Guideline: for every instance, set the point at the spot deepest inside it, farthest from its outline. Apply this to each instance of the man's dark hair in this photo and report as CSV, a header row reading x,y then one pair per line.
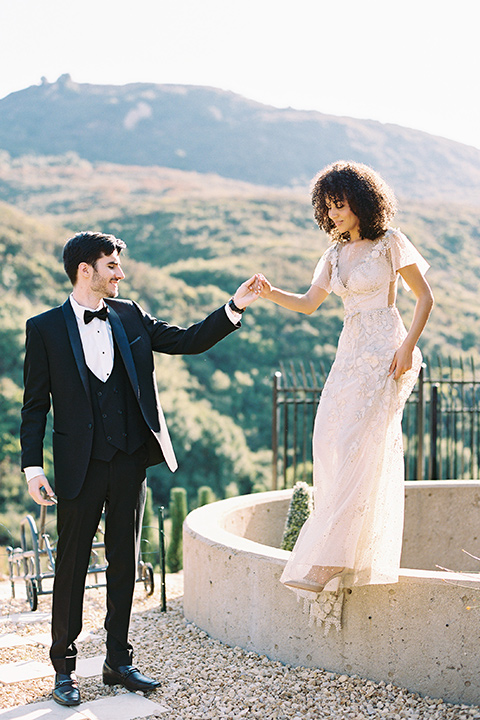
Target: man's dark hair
x,y
88,247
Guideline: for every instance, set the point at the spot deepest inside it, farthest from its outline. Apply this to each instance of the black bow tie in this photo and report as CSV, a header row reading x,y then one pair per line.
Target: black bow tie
x,y
101,314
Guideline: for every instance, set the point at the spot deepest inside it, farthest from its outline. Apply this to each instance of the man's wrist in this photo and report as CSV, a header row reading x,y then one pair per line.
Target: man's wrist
x,y
33,472
234,307
234,317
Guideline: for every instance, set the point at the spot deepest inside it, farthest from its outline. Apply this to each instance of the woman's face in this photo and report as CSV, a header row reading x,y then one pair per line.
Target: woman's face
x,y
343,218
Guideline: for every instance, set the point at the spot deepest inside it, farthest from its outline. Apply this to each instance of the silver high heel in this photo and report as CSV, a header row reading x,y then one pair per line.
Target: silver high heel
x,y
304,585
309,583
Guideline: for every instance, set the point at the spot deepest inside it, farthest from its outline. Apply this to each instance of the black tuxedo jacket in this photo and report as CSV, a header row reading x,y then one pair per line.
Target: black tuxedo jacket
x,y
55,374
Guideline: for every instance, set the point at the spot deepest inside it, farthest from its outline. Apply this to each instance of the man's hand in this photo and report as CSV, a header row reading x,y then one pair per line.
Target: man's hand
x,y
35,487
248,292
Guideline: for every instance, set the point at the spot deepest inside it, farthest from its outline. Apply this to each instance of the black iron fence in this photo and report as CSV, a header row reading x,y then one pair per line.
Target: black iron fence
x,y
441,422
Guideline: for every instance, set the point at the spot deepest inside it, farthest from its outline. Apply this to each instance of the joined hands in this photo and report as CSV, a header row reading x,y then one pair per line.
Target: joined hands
x,y
249,291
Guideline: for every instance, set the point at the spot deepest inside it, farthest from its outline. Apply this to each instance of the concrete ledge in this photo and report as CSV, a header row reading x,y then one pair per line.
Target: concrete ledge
x,y
418,633
441,519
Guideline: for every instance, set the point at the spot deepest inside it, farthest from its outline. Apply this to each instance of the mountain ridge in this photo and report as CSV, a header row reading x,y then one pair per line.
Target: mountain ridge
x,y
208,130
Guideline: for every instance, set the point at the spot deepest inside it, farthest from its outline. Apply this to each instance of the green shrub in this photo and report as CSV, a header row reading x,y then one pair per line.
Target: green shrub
x,y
178,513
205,495
149,537
231,490
300,508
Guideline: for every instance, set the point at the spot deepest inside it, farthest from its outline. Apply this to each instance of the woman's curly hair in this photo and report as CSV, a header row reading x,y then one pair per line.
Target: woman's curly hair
x,y
368,196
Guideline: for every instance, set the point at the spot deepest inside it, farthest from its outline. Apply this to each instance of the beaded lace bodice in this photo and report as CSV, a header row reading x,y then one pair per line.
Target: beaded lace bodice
x,y
367,284
367,279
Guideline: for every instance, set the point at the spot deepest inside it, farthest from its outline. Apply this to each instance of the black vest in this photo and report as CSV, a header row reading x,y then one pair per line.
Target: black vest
x,y
118,420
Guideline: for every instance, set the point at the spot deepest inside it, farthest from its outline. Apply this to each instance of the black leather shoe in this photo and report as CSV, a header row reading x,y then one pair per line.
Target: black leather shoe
x,y
66,690
129,677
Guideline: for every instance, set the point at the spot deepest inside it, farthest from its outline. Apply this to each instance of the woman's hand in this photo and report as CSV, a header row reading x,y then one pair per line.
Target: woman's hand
x,y
265,286
402,361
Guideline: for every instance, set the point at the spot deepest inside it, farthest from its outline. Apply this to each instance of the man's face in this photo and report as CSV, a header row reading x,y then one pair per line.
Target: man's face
x,y
106,275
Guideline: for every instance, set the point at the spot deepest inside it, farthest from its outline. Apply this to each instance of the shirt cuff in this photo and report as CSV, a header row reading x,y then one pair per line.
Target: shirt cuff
x,y
234,317
31,472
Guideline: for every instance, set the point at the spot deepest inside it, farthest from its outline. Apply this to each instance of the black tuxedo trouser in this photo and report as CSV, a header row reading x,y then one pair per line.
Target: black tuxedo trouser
x,y
120,486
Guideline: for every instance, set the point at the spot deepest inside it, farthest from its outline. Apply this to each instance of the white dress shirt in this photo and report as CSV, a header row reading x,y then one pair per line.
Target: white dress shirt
x,y
97,341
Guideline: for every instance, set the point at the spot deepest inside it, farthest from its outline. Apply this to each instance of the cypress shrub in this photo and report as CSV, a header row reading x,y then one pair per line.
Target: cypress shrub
x,y
231,490
149,542
205,495
300,508
178,513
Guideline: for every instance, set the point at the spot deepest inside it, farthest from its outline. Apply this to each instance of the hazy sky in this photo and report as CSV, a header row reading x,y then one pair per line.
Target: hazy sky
x,y
410,62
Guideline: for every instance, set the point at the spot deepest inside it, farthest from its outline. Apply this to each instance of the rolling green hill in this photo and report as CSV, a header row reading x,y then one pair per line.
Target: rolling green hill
x,y
191,240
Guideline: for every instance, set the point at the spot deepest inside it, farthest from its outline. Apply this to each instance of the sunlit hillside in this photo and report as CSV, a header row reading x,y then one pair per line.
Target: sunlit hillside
x,y
191,240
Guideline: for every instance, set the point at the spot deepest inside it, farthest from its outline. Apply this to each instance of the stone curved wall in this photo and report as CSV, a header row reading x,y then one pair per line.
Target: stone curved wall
x,y
418,633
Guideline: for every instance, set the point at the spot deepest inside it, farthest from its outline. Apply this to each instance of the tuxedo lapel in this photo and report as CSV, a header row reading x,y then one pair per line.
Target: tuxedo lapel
x,y
76,343
124,347
163,436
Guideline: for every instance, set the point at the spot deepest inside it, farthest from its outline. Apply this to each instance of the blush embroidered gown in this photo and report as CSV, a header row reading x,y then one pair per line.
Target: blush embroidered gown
x,y
358,468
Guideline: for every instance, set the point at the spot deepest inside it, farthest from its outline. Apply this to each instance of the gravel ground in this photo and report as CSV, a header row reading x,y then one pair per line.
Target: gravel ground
x,y
204,679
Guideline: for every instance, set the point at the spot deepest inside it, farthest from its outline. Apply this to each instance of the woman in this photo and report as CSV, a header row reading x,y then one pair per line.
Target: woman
x,y
355,531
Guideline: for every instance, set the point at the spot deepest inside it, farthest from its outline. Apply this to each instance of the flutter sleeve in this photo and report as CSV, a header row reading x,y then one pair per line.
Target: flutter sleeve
x,y
403,253
322,275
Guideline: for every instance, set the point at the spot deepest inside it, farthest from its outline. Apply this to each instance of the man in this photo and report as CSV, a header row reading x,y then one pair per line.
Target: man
x,y
91,359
